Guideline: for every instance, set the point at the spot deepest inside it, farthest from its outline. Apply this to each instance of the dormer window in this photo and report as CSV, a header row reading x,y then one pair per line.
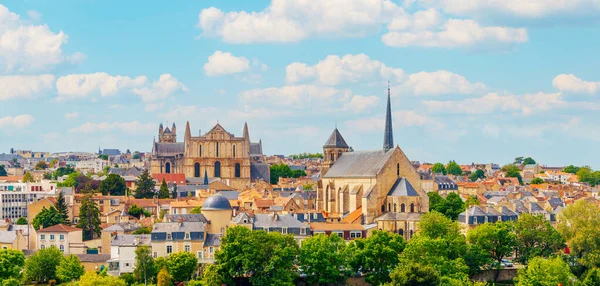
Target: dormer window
x,y
187,235
169,237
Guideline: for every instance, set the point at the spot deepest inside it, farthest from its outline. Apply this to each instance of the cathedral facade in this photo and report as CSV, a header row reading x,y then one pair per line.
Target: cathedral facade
x,y
379,186
216,154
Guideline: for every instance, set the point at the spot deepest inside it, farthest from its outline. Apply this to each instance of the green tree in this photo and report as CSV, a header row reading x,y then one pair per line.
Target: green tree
x,y
143,230
196,210
571,169
453,168
497,238
211,275
376,255
137,212
479,174
11,282
528,161
587,175
471,201
513,171
164,278
41,266
103,157
136,155
3,171
113,185
518,161
414,274
47,217
145,186
545,272
11,263
280,170
536,237
41,165
579,224
90,278
21,221
592,278
536,181
439,168
164,190
454,206
62,208
182,265
144,264
61,171
28,178
322,258
89,218
69,269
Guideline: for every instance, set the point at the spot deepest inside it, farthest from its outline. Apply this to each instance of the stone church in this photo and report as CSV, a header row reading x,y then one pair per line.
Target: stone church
x,y
377,187
217,153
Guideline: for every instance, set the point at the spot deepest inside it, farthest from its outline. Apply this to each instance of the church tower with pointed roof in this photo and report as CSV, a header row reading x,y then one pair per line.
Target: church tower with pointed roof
x,y
333,149
388,136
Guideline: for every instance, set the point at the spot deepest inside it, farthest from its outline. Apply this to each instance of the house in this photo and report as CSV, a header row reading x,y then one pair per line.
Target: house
x,y
282,223
12,239
66,238
122,252
346,231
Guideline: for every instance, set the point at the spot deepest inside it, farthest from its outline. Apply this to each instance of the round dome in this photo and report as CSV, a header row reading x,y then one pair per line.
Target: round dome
x,y
216,203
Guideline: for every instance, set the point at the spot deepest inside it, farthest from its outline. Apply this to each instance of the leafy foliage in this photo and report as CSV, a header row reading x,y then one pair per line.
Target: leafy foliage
x,y
143,230
62,171
451,206
113,185
376,255
528,161
579,224
137,212
536,237
21,221
587,175
439,168
89,218
62,208
471,201
144,264
453,168
103,157
164,190
41,266
28,178
571,169
479,174
92,279
284,171
11,263
145,186
69,269
307,156
47,217
414,274
322,258
164,278
181,265
196,210
41,165
545,272
3,171
498,239
513,171
536,181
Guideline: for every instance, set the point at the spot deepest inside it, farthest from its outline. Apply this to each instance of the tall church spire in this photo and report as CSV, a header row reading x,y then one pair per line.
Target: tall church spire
x,y
388,136
246,135
188,133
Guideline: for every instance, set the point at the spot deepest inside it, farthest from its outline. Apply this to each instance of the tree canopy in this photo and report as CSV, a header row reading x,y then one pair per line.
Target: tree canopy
x,y
284,171
571,169
21,221
513,171
164,190
528,161
545,272
28,178
144,264
113,185
438,168
3,171
587,175
11,263
478,174
89,218
69,269
42,265
181,265
537,181
62,208
453,168
376,255
579,224
145,186
41,165
451,206
536,237
47,217
323,259
137,212
414,274
498,239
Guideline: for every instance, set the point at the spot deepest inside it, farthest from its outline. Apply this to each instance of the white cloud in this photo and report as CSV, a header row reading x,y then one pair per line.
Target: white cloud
x,y
82,85
494,102
518,8
306,96
440,82
72,115
295,20
21,86
571,83
457,33
25,47
160,90
133,127
223,63
19,121
334,70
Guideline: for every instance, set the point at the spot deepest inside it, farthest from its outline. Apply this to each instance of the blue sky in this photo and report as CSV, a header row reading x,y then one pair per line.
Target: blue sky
x,y
477,81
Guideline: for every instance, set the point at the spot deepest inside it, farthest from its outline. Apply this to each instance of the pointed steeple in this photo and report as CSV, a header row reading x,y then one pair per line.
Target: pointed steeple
x,y
188,133
205,177
388,136
246,135
336,140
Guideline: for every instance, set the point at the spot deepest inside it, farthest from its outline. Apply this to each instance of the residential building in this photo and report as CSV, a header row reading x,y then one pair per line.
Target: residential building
x,y
122,252
16,197
66,238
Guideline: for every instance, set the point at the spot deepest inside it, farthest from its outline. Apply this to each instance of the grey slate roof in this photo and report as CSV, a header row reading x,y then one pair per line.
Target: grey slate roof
x,y
399,216
169,149
242,218
216,202
276,220
7,236
260,171
230,195
111,152
93,257
185,226
256,149
186,217
336,140
130,240
402,188
212,240
123,226
359,164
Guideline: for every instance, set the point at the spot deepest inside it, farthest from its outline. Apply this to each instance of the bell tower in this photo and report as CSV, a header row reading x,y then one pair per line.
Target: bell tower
x,y
333,149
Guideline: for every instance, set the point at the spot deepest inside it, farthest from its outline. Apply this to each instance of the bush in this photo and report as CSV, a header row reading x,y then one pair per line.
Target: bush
x,y
11,282
128,278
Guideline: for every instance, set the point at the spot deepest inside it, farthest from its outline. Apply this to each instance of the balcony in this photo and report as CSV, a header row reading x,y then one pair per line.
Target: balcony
x,y
206,260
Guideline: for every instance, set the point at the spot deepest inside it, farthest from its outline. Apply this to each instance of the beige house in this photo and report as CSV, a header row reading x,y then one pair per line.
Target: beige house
x,y
66,238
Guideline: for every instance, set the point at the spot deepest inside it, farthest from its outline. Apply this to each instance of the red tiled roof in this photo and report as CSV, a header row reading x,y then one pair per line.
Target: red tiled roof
x,y
263,203
142,203
59,228
178,179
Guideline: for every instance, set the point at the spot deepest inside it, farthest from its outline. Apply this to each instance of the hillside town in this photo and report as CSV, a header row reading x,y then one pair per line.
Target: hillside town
x,y
184,196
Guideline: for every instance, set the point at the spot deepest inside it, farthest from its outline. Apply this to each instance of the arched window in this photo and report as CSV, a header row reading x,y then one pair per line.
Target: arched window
x,y
412,208
395,208
233,150
382,208
398,169
389,207
217,149
200,150
411,234
331,157
237,168
168,168
217,169
401,232
402,208
197,170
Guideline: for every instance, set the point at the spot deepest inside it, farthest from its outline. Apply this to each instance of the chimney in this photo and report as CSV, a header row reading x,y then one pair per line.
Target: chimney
x,y
180,221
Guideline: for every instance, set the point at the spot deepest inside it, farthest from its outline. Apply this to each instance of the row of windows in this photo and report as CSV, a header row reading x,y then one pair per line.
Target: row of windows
x,y
217,170
233,150
43,237
60,247
186,248
402,208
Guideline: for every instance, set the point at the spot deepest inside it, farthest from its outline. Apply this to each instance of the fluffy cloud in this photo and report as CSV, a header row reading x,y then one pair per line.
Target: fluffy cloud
x,y
518,8
133,127
25,47
334,70
72,115
20,86
222,63
82,85
494,102
455,33
571,83
19,121
305,96
165,86
440,82
295,20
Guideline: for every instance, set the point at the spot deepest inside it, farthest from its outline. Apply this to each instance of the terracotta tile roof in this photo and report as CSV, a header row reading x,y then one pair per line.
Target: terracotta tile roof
x,y
353,216
187,203
324,226
11,179
178,179
59,228
263,203
143,203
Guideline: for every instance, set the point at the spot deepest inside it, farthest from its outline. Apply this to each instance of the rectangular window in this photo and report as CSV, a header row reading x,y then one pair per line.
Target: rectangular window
x,y
52,237
355,234
211,249
169,249
42,237
187,248
62,237
154,254
62,248
302,231
169,236
42,247
339,233
200,254
284,230
187,235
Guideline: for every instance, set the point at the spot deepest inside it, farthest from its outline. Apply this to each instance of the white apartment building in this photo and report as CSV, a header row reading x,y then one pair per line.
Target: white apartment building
x,y
96,165
122,252
67,239
15,197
